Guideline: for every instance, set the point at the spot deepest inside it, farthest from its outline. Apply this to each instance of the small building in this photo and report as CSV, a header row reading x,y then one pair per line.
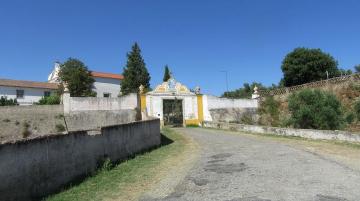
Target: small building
x,y
26,92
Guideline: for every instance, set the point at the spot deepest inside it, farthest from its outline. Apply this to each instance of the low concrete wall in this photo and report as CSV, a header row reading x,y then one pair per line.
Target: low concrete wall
x,y
89,120
76,104
226,109
305,133
35,168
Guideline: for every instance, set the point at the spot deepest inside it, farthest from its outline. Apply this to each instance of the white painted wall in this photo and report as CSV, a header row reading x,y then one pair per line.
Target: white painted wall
x,y
213,102
106,85
74,104
31,95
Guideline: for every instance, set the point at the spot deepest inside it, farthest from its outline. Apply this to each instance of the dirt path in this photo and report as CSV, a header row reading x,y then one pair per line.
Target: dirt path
x,y
238,167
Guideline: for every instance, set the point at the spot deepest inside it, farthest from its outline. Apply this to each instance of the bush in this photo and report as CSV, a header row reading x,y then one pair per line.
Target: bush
x,y
315,109
269,111
60,127
357,109
50,100
7,102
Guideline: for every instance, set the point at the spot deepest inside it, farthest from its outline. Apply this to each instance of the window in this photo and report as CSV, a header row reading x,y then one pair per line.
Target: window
x,y
19,93
47,93
107,95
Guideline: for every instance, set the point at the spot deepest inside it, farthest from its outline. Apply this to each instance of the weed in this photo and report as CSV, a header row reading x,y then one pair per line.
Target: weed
x,y
60,128
6,120
192,125
26,131
59,116
17,122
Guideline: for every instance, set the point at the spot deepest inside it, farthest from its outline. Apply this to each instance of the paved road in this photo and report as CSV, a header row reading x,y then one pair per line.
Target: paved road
x,y
241,168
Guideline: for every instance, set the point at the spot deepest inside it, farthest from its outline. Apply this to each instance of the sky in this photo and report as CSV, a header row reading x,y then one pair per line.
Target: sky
x,y
199,40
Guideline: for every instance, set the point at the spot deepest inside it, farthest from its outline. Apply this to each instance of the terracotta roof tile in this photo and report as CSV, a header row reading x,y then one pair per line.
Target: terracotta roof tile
x,y
107,75
28,84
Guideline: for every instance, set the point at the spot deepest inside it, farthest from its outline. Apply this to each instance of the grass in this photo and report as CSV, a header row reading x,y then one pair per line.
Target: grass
x,y
126,180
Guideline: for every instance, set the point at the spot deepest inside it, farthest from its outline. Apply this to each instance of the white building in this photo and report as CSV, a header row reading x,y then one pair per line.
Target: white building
x,y
105,85
30,92
26,92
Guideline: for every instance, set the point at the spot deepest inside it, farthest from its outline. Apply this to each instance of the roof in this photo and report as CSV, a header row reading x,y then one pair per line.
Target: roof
x,y
28,84
107,75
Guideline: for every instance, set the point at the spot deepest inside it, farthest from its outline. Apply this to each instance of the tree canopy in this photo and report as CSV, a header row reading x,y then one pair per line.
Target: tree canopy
x,y
304,65
357,68
135,72
77,77
244,92
166,74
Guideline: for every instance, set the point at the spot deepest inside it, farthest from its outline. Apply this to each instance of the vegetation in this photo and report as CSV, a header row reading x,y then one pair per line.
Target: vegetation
x,y
53,99
122,181
269,112
26,130
304,65
357,109
166,74
60,128
315,109
246,91
135,72
4,101
77,77
357,68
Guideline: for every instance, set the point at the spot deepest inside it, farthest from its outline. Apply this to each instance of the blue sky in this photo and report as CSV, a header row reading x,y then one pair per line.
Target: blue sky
x,y
197,39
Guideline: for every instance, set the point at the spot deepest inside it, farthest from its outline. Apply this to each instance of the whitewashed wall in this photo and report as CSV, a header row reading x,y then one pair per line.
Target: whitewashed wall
x,y
73,104
106,85
213,102
31,95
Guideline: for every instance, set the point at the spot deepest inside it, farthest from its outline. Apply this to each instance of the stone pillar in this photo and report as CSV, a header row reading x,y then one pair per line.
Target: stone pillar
x,y
66,100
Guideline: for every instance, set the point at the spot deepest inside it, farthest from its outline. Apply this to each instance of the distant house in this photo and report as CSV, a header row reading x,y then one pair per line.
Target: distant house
x,y
26,92
105,85
30,92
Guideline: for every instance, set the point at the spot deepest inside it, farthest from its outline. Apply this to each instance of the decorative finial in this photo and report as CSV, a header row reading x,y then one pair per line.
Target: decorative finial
x,y
141,89
255,95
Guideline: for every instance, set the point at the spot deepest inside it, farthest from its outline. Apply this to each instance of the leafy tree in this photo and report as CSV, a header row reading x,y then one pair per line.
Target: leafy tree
x,y
357,68
135,72
344,72
77,77
4,101
315,109
304,65
244,92
54,99
166,74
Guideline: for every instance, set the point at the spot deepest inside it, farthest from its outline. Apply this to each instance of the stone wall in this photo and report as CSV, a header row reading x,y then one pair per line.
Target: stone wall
x,y
32,169
305,133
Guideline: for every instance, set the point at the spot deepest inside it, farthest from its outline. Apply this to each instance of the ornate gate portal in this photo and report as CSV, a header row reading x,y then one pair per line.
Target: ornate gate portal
x,y
173,112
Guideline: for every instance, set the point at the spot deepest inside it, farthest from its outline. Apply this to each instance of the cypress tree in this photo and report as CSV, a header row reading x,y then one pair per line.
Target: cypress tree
x,y
135,72
166,74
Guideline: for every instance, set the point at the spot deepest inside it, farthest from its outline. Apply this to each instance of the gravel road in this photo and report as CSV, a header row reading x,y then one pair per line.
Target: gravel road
x,y
240,168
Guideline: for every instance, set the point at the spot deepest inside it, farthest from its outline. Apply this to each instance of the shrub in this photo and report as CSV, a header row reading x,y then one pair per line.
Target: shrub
x,y
315,109
50,100
7,102
247,119
350,117
26,130
357,109
60,127
269,110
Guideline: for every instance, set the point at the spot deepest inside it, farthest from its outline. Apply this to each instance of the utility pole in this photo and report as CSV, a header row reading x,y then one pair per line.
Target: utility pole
x,y
226,77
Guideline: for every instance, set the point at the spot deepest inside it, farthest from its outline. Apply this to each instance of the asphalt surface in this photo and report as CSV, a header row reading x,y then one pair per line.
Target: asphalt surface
x,y
240,168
